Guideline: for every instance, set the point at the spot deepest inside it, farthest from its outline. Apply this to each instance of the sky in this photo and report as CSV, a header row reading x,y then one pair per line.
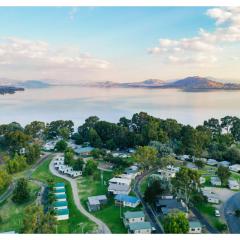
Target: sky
x,y
122,44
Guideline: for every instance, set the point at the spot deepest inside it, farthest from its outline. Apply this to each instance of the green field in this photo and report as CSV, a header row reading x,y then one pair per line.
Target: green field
x,y
109,214
12,213
76,219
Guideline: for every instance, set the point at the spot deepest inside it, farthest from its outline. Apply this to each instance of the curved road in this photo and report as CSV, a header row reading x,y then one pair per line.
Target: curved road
x,y
230,206
102,227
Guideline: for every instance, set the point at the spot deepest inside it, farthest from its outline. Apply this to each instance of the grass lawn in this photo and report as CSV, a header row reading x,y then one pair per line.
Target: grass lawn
x,y
143,185
109,214
208,211
73,224
12,213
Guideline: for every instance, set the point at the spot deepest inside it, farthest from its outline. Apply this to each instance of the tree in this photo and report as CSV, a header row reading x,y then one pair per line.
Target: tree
x,y
233,154
185,183
152,191
94,138
35,129
227,123
5,179
32,153
1,219
165,161
78,164
213,125
176,222
21,193
224,174
16,164
69,156
35,221
163,149
61,146
146,156
91,167
199,163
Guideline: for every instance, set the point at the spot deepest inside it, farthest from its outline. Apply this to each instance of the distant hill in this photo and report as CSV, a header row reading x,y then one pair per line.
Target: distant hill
x,y
33,84
9,89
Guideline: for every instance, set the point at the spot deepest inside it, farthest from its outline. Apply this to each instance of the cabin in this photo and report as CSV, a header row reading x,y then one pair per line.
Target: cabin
x,y
224,164
195,227
210,196
235,168
60,205
140,228
59,191
62,214
94,203
168,173
119,186
126,201
61,197
75,174
59,185
202,180
215,181
49,146
132,217
233,184
166,206
212,162
84,151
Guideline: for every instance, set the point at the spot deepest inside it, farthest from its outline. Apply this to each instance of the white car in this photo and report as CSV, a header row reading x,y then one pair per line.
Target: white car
x,y
217,213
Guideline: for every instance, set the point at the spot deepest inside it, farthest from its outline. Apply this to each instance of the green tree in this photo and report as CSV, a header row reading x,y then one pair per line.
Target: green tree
x,y
35,221
224,174
78,164
32,153
152,191
176,222
91,167
35,129
5,179
146,156
233,154
94,138
21,193
199,163
69,156
61,146
185,183
16,164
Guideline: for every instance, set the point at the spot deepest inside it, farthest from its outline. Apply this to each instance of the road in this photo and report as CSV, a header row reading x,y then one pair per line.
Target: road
x,y
102,227
28,173
147,208
230,206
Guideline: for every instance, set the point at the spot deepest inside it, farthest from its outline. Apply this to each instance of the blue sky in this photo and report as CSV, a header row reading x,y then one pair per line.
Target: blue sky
x,y
111,43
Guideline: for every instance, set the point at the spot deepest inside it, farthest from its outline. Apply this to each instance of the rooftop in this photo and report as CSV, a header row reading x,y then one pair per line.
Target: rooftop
x,y
60,204
95,200
60,196
60,184
195,224
120,180
136,214
83,150
126,198
140,225
170,204
62,212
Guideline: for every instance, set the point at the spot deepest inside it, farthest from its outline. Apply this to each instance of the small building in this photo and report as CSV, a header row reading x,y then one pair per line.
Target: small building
x,y
195,227
166,206
59,185
235,168
62,214
133,171
140,228
61,197
74,174
215,181
119,189
83,151
60,205
191,165
168,173
233,184
59,191
126,201
94,203
183,157
131,217
212,162
22,151
210,196
224,164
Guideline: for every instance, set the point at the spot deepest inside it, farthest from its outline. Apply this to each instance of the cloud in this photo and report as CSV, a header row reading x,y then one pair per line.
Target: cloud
x,y
21,53
72,13
204,48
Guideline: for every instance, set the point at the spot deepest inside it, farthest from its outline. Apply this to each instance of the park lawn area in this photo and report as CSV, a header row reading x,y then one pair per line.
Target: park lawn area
x,y
109,214
208,211
12,213
73,224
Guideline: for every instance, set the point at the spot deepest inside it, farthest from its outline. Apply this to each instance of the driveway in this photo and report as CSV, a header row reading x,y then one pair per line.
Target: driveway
x,y
230,206
102,227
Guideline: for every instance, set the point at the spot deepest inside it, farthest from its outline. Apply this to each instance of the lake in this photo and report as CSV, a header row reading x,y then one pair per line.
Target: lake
x,y
77,103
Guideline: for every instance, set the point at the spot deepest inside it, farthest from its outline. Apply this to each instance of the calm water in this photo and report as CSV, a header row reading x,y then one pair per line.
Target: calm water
x,y
77,103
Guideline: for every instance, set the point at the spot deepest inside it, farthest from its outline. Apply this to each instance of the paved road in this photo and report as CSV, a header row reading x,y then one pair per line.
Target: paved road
x,y
28,173
102,227
230,206
147,208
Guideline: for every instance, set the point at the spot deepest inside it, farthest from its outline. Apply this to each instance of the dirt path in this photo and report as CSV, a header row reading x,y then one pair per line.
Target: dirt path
x,y
102,227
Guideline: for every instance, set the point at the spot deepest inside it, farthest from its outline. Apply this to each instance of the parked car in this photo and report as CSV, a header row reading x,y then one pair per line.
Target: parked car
x,y
217,213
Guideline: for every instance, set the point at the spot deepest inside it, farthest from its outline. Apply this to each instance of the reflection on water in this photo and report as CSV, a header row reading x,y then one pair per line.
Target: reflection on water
x,y
78,103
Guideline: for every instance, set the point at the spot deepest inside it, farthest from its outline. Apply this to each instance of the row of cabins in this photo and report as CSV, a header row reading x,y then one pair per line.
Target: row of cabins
x,y
65,169
232,184
61,204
